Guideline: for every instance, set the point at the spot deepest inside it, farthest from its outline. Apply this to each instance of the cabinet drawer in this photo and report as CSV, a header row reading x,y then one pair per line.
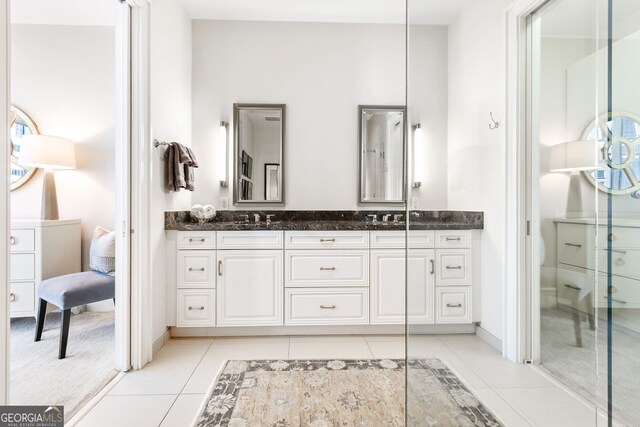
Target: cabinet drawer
x,y
326,268
625,262
453,239
196,240
453,305
418,239
23,267
575,245
196,307
249,239
327,306
453,267
620,237
22,297
22,240
196,269
327,239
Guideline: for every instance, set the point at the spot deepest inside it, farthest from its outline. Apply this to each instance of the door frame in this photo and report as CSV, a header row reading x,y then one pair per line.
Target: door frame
x,y
517,320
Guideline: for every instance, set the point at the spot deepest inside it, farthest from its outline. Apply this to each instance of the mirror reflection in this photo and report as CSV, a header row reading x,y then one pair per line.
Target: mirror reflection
x,y
21,125
619,138
259,140
382,154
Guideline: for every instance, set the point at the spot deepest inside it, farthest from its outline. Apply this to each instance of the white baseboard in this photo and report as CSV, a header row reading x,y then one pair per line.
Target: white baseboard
x,y
161,341
489,338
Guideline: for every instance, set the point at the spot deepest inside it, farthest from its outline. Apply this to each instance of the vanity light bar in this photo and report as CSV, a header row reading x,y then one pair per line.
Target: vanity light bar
x,y
223,150
414,183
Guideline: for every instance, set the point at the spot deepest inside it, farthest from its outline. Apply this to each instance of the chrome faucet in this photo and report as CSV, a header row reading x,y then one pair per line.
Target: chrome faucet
x,y
269,219
373,218
256,218
246,218
397,217
386,217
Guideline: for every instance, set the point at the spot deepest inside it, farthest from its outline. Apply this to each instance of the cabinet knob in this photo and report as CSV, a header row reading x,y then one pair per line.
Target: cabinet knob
x,y
12,240
612,237
12,297
328,307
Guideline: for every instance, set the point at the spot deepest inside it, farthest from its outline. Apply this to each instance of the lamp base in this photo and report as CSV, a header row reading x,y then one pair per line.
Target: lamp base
x,y
49,197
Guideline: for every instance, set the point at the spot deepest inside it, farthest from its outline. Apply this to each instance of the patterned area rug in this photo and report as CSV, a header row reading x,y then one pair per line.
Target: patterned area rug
x,y
339,393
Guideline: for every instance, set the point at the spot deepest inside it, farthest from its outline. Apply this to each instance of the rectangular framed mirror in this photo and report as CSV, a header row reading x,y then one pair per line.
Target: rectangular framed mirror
x,y
258,134
382,151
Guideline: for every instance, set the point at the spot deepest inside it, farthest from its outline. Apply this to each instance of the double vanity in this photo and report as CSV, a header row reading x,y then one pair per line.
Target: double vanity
x,y
306,269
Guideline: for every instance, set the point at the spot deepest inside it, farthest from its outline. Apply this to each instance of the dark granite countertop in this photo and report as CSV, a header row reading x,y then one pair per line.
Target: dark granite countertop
x,y
327,220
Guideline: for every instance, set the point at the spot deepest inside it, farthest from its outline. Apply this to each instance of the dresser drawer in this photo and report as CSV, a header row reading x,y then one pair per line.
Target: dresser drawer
x,y
326,268
196,307
326,239
620,238
625,292
453,239
418,239
196,269
575,245
196,240
624,262
249,239
327,306
22,240
22,297
453,305
453,267
23,267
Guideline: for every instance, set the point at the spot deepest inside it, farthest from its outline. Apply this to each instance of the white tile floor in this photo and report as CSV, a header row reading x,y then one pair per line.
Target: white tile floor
x,y
169,391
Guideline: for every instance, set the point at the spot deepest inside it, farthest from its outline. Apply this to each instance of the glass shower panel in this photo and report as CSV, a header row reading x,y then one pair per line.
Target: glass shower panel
x,y
565,93
619,231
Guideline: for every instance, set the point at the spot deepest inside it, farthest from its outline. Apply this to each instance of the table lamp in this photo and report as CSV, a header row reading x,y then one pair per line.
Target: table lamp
x,y
48,152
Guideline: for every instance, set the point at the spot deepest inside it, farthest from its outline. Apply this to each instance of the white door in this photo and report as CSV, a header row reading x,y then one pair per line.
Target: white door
x,y
388,286
250,288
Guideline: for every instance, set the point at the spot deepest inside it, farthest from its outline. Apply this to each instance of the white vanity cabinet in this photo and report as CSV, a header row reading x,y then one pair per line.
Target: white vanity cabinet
x,y
313,278
250,288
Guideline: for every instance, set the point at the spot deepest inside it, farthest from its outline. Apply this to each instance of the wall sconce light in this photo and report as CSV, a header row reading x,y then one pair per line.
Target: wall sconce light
x,y
417,131
223,150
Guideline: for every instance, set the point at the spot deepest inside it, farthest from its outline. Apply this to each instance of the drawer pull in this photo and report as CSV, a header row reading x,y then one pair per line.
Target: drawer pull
x,y
327,269
196,240
196,308
618,251
327,240
453,239
12,297
433,266
12,240
196,269
573,245
454,305
619,301
452,267
328,307
574,287
219,268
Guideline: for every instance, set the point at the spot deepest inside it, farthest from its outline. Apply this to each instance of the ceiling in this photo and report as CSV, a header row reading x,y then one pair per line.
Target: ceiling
x,y
64,12
432,12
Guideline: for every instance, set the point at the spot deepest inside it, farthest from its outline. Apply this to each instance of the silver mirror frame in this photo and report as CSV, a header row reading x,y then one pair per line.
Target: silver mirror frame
x,y
400,108
236,152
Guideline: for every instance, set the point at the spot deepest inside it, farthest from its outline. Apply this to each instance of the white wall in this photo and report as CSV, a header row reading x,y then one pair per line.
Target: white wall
x,y
170,121
322,72
63,77
476,155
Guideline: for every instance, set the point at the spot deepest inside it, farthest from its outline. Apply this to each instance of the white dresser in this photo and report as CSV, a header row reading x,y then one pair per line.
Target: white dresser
x,y
40,250
311,278
582,255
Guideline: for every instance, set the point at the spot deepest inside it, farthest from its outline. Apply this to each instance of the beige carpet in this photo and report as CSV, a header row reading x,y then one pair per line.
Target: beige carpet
x,y
39,378
333,393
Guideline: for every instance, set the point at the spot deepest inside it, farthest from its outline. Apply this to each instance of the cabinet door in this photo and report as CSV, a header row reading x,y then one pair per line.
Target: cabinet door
x,y
250,288
388,286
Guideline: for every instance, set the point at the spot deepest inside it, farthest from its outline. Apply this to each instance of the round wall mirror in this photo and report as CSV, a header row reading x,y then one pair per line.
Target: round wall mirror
x,y
619,137
21,125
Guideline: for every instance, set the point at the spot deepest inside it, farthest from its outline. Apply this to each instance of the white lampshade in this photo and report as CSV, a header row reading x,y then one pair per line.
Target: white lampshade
x,y
51,152
574,156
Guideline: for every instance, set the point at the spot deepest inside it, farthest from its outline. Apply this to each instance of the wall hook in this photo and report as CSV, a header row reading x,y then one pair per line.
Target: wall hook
x,y
495,124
